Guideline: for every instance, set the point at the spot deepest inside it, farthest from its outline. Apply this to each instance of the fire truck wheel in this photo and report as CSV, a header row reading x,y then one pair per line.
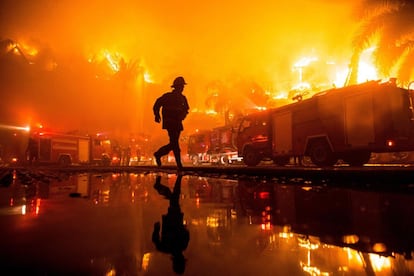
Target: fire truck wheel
x,y
250,157
195,160
64,160
281,160
224,160
321,154
106,161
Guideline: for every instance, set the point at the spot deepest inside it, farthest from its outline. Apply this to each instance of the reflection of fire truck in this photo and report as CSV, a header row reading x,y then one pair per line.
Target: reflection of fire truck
x,y
213,146
347,123
342,218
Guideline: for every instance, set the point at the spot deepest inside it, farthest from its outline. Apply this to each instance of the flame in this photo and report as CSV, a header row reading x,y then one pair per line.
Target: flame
x,y
280,95
340,77
22,49
366,69
148,78
379,263
28,49
304,62
113,60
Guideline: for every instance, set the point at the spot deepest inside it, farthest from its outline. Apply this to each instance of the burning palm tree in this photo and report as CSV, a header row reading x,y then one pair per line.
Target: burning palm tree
x,y
390,24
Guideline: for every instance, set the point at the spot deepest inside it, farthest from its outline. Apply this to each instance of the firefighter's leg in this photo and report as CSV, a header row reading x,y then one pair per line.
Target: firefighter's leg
x,y
164,150
174,138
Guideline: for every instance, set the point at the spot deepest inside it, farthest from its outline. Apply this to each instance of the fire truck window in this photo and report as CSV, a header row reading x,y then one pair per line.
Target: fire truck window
x,y
245,124
45,149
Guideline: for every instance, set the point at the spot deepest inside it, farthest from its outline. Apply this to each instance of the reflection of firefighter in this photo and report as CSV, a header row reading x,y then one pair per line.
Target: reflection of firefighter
x,y
174,233
32,150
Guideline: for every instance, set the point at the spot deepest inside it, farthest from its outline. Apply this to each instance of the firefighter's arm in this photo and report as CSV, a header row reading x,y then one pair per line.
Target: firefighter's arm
x,y
156,110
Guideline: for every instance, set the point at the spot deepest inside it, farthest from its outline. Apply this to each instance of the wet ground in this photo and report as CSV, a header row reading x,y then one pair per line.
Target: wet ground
x,y
105,223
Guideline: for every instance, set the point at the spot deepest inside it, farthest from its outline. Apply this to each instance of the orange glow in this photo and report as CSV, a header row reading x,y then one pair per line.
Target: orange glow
x,y
266,226
366,72
366,69
280,95
379,263
101,79
145,261
113,60
37,206
263,195
23,128
148,78
350,239
379,247
390,143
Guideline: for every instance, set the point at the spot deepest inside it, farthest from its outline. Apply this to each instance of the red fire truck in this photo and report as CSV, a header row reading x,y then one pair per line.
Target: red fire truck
x,y
215,146
345,124
48,147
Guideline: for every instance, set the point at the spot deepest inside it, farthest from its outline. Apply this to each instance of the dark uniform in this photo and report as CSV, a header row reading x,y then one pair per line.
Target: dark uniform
x,y
174,110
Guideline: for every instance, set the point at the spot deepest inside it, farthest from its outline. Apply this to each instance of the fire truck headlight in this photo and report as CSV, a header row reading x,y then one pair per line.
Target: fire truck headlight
x,y
390,143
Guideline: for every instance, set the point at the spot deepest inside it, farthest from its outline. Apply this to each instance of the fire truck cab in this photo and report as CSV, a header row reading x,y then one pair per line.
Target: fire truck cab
x,y
346,124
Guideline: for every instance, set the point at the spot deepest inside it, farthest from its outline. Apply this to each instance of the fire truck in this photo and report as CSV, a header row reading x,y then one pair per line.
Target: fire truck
x,y
345,124
216,146
48,147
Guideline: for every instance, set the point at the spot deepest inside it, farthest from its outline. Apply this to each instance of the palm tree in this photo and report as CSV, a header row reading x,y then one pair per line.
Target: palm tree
x,y
392,24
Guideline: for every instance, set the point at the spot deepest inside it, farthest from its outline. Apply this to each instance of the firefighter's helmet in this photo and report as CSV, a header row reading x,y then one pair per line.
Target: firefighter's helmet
x,y
179,81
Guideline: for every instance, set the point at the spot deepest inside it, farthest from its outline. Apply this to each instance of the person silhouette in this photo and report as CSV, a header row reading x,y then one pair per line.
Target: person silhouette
x,y
174,236
174,110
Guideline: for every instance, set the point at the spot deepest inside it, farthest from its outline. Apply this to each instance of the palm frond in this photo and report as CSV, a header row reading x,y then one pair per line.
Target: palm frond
x,y
390,25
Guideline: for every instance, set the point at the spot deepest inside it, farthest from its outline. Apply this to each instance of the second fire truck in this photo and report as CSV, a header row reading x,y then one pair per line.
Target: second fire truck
x,y
216,146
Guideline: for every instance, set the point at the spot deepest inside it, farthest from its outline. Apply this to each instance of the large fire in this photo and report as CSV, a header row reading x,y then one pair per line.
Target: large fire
x,y
133,50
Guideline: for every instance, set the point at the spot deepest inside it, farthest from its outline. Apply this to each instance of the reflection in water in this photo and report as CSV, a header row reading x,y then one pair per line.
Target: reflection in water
x,y
245,226
338,229
174,236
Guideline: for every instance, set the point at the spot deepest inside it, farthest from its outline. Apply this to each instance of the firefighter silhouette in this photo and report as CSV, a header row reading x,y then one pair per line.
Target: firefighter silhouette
x,y
174,236
174,110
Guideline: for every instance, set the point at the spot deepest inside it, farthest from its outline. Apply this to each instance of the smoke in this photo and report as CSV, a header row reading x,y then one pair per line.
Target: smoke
x,y
201,40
